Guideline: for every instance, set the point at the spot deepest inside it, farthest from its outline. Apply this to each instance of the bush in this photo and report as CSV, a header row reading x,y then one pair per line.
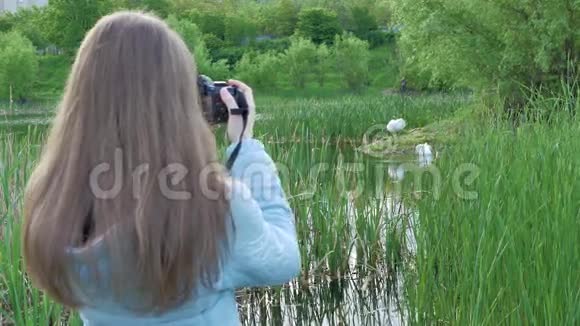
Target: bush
x,y
259,70
53,71
319,25
18,65
213,43
218,70
230,54
299,60
379,38
352,60
323,65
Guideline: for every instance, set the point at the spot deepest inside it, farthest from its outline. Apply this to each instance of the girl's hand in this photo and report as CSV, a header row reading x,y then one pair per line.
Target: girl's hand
x,y
236,122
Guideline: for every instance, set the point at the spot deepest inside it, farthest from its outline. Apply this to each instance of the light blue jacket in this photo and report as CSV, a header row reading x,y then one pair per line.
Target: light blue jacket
x,y
264,252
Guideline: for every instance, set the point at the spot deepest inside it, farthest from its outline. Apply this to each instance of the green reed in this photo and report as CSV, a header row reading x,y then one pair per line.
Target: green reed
x,y
500,243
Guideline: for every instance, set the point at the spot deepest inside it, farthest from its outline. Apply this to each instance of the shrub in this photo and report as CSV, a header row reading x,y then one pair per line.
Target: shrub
x,y
324,63
213,43
231,55
218,70
319,25
352,60
18,65
259,70
299,60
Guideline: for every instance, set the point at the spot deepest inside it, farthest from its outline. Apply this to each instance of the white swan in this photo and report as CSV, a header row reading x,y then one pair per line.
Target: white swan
x,y
396,173
395,126
424,150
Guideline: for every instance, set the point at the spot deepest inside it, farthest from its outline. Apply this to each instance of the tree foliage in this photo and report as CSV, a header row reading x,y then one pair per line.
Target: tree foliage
x,y
280,18
318,24
18,65
31,22
491,45
194,39
69,20
363,22
352,60
161,8
238,29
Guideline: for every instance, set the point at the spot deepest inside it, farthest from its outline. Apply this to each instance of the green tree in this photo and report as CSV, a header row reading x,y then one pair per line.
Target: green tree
x,y
32,22
237,29
161,8
299,60
209,22
352,60
318,24
69,20
491,45
18,65
6,21
286,17
279,18
193,38
363,22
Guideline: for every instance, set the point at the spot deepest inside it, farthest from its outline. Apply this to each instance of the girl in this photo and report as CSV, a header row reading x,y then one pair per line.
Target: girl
x,y
129,217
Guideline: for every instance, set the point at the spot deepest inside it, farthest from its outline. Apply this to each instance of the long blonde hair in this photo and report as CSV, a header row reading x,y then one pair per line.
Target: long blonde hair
x,y
131,95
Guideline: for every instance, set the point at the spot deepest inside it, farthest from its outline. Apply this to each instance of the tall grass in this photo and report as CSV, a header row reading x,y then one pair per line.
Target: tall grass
x,y
20,302
348,116
508,252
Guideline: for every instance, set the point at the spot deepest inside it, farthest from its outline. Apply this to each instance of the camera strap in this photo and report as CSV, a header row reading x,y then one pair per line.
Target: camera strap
x,y
244,113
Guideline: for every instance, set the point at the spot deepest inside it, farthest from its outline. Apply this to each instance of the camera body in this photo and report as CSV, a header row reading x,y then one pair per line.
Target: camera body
x,y
214,109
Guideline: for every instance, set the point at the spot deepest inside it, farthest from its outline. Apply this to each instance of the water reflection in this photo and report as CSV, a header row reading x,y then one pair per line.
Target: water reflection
x,y
367,291
365,294
350,300
397,171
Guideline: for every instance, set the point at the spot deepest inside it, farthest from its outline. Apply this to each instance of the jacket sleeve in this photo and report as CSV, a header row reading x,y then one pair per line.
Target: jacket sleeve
x,y
264,248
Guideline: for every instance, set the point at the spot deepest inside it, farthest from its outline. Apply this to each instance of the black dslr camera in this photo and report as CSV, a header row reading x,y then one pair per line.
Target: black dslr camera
x,y
214,109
